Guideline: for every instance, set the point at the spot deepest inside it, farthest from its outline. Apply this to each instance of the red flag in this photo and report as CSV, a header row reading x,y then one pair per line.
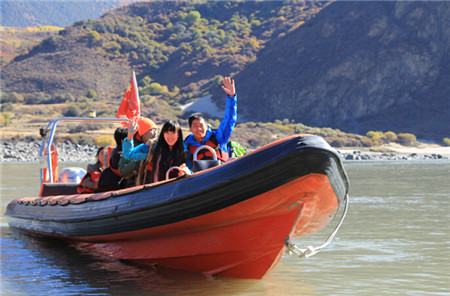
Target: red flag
x,y
130,105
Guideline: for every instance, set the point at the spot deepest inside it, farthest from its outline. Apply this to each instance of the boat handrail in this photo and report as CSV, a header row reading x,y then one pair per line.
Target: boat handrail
x,y
170,169
45,160
310,250
207,148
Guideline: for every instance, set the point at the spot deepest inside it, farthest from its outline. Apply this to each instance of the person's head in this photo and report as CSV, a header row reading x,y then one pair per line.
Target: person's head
x,y
43,132
198,126
171,134
147,129
100,156
120,135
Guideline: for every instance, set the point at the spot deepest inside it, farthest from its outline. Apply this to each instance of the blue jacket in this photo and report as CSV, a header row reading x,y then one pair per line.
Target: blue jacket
x,y
139,152
223,133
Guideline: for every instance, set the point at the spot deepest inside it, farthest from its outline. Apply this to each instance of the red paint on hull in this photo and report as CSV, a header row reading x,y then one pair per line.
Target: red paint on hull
x,y
244,240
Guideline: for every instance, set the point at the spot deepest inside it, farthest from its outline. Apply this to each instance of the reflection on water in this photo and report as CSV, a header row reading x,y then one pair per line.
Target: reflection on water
x,y
394,241
53,268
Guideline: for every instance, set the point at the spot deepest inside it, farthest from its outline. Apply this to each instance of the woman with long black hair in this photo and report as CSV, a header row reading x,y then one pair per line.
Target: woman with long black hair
x,y
170,151
167,152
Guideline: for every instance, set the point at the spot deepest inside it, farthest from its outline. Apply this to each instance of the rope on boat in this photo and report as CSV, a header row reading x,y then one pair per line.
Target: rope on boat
x,y
310,251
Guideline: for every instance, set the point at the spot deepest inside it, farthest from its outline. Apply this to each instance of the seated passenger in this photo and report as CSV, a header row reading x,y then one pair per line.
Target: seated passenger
x,y
159,157
147,130
90,180
111,179
120,135
170,151
218,139
122,167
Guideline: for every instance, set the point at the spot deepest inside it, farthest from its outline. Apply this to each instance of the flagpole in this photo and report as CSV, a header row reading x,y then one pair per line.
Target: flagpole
x,y
137,94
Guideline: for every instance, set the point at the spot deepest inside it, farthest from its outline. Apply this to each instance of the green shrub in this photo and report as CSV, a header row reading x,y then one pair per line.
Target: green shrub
x,y
406,139
60,98
95,39
112,47
446,141
146,81
11,98
390,136
6,107
72,111
216,82
5,118
252,44
37,98
85,141
337,143
92,94
155,89
192,18
376,136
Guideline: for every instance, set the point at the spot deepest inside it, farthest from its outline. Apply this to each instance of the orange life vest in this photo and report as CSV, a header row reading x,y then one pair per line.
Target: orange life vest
x,y
221,155
108,155
95,176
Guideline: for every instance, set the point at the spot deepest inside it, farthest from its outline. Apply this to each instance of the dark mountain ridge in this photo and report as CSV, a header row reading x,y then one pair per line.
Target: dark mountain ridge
x,y
358,66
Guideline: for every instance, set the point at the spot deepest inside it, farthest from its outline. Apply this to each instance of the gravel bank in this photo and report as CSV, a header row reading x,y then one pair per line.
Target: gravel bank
x,y
28,152
67,151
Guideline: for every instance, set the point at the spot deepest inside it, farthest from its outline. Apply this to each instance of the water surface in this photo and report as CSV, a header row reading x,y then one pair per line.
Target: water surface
x,y
394,241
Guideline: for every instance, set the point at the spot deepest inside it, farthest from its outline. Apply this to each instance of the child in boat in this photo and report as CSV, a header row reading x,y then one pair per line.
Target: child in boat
x,y
218,139
157,158
90,180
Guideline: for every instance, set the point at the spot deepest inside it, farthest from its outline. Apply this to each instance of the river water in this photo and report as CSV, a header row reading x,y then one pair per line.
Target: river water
x,y
394,241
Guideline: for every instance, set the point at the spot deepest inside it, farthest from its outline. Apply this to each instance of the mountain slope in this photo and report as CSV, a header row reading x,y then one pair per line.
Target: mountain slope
x,y
180,44
61,13
358,66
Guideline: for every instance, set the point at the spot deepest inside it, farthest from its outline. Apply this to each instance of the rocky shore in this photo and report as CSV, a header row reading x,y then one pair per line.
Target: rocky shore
x,y
360,155
28,152
67,151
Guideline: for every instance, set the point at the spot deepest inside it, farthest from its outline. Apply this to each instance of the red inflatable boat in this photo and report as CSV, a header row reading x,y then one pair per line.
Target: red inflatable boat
x,y
233,219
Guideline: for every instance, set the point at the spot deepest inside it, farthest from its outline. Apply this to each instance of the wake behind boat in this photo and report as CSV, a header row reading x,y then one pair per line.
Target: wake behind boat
x,y
235,219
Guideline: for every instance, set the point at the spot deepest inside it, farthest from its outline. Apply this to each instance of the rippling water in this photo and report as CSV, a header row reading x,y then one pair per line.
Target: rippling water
x,y
394,241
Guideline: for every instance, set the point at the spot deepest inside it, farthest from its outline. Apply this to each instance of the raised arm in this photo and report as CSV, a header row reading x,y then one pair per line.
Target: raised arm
x,y
128,150
228,86
132,129
226,127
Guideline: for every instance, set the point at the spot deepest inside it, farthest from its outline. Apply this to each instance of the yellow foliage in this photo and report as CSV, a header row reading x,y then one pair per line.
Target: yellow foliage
x,y
390,136
446,141
105,140
49,28
406,139
5,118
30,29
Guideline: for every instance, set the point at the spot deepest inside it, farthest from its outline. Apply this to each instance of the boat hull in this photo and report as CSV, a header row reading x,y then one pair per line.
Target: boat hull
x,y
232,220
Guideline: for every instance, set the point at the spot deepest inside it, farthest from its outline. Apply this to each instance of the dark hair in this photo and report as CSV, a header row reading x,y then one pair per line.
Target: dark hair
x,y
196,116
98,153
166,157
43,132
119,134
